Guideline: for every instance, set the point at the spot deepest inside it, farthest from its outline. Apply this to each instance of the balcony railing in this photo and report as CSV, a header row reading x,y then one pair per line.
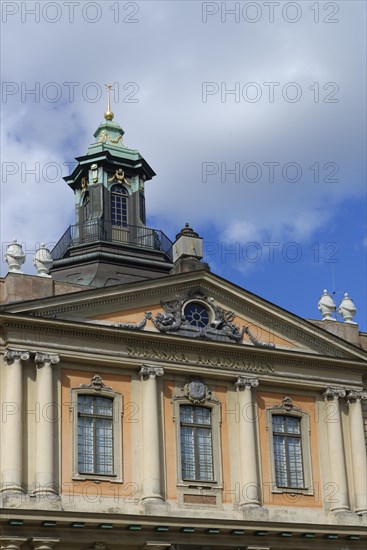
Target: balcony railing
x,y
98,230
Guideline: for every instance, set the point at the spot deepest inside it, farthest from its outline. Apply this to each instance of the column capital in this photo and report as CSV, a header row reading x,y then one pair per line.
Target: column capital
x,y
148,371
242,383
355,395
11,355
11,543
40,357
156,545
44,543
330,393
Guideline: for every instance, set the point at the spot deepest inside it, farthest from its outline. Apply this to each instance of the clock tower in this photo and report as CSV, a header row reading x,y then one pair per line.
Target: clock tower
x,y
110,242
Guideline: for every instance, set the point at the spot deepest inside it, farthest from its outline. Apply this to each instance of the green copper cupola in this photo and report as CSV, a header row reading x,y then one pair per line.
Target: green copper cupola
x,y
109,242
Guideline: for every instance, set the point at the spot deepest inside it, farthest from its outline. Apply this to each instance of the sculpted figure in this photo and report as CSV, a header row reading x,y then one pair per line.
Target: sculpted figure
x,y
119,176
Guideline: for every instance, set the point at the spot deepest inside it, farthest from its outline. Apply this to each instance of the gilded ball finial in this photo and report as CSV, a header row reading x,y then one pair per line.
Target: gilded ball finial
x,y
108,114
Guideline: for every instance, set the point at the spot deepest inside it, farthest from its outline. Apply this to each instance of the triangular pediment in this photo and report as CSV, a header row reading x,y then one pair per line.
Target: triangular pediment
x,y
158,307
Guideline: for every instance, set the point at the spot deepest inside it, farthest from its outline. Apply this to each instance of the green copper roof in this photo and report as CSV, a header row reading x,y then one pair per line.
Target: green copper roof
x,y
109,137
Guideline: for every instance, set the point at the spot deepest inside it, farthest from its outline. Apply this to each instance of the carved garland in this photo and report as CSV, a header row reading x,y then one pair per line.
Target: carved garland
x,y
220,327
96,384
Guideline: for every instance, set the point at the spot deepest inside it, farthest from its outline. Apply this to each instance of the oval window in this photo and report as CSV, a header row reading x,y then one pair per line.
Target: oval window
x,y
196,315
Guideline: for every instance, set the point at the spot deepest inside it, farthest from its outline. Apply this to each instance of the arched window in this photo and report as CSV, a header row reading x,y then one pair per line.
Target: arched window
x,y
119,197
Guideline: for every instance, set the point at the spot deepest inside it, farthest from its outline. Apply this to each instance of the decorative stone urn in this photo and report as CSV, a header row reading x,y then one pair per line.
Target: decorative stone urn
x,y
326,306
43,261
347,309
14,256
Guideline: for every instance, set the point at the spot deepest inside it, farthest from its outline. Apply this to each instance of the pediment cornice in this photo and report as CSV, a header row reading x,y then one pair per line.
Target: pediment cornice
x,y
302,333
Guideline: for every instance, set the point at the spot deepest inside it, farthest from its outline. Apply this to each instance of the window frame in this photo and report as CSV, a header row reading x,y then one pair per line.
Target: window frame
x,y
204,305
117,408
305,448
196,455
214,407
113,195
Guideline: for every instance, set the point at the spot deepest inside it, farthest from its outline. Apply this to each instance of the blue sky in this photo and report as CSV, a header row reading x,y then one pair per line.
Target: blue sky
x,y
254,121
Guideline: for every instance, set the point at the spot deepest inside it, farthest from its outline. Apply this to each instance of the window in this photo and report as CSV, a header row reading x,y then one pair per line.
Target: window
x,y
289,440
95,435
97,432
287,451
119,197
197,416
196,443
196,315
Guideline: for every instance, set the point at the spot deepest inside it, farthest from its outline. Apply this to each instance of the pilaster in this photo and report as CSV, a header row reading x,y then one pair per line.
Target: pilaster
x,y
250,487
45,427
338,475
12,421
359,459
151,444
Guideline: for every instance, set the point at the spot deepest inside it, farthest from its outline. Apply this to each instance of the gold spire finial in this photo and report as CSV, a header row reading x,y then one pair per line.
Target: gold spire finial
x,y
108,114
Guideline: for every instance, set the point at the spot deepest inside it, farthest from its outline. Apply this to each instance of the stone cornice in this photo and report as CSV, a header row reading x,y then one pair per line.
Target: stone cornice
x,y
63,518
69,336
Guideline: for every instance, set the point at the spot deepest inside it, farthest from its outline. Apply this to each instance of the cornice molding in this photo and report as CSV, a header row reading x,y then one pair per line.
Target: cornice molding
x,y
155,346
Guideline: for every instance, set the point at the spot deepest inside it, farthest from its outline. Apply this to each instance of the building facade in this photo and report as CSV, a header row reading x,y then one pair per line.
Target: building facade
x,y
149,403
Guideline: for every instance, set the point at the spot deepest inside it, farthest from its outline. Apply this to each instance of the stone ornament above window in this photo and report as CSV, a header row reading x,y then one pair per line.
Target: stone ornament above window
x,y
195,391
198,316
287,405
135,326
96,384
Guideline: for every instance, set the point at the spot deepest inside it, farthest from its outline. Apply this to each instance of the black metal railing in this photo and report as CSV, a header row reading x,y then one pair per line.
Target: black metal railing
x,y
98,230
